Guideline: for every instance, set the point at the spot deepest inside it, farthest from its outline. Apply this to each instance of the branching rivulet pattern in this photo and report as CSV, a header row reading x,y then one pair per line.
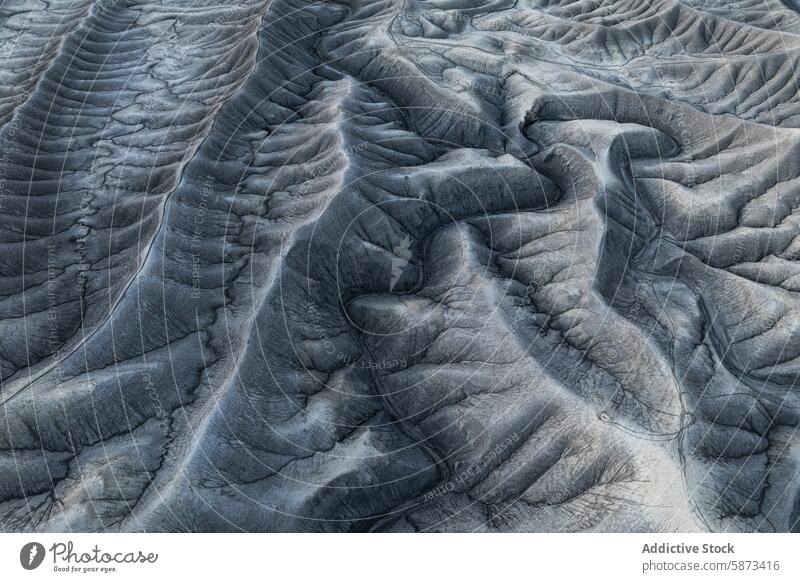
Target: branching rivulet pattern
x,y
277,265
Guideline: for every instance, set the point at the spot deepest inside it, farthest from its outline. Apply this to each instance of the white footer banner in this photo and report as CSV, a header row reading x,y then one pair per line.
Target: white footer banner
x,y
406,557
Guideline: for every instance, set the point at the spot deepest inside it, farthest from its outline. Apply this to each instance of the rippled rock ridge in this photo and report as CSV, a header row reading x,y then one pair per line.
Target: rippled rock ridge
x,y
280,265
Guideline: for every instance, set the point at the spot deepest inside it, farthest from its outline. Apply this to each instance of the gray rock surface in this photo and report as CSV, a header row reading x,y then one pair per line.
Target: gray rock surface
x,y
399,265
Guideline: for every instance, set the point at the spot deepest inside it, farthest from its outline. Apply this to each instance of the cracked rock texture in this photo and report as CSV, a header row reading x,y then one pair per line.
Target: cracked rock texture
x,y
445,265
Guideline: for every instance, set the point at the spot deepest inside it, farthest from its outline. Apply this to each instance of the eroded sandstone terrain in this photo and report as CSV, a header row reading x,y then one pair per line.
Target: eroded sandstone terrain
x,y
399,265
